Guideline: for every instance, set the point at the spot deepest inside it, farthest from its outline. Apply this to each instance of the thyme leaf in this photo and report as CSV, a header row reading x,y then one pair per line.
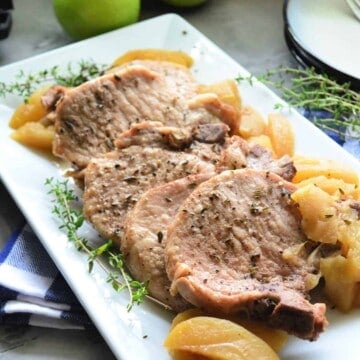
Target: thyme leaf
x,y
309,90
71,220
73,75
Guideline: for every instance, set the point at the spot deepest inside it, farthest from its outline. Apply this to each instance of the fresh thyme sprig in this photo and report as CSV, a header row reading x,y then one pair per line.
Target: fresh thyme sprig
x,y
71,220
309,90
73,75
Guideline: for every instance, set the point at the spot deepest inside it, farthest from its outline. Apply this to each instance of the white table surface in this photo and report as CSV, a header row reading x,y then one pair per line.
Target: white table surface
x,y
249,31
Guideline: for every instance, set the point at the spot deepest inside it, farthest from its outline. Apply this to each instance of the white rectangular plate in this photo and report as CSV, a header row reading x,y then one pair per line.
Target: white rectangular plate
x,y
140,333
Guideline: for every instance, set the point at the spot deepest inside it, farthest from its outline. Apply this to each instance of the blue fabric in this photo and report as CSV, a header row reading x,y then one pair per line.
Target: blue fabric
x,y
60,292
32,290
349,141
22,251
9,244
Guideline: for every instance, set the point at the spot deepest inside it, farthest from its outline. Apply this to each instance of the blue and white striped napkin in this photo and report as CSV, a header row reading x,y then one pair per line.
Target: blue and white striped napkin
x,y
32,291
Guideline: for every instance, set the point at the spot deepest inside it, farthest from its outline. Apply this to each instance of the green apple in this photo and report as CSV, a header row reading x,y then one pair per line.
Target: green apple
x,y
184,3
85,18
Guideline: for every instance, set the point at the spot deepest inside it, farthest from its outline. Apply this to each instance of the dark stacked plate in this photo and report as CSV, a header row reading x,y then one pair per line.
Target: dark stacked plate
x,y
5,18
333,48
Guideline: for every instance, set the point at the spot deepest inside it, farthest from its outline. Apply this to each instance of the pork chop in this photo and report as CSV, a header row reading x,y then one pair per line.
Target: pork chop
x,y
224,252
239,154
90,117
114,183
144,237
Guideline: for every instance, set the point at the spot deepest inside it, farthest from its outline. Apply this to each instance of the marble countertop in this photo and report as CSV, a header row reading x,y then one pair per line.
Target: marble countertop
x,y
249,31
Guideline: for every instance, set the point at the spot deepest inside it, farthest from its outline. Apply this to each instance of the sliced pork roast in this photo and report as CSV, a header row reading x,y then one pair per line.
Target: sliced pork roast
x,y
151,154
90,117
226,252
114,183
144,237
